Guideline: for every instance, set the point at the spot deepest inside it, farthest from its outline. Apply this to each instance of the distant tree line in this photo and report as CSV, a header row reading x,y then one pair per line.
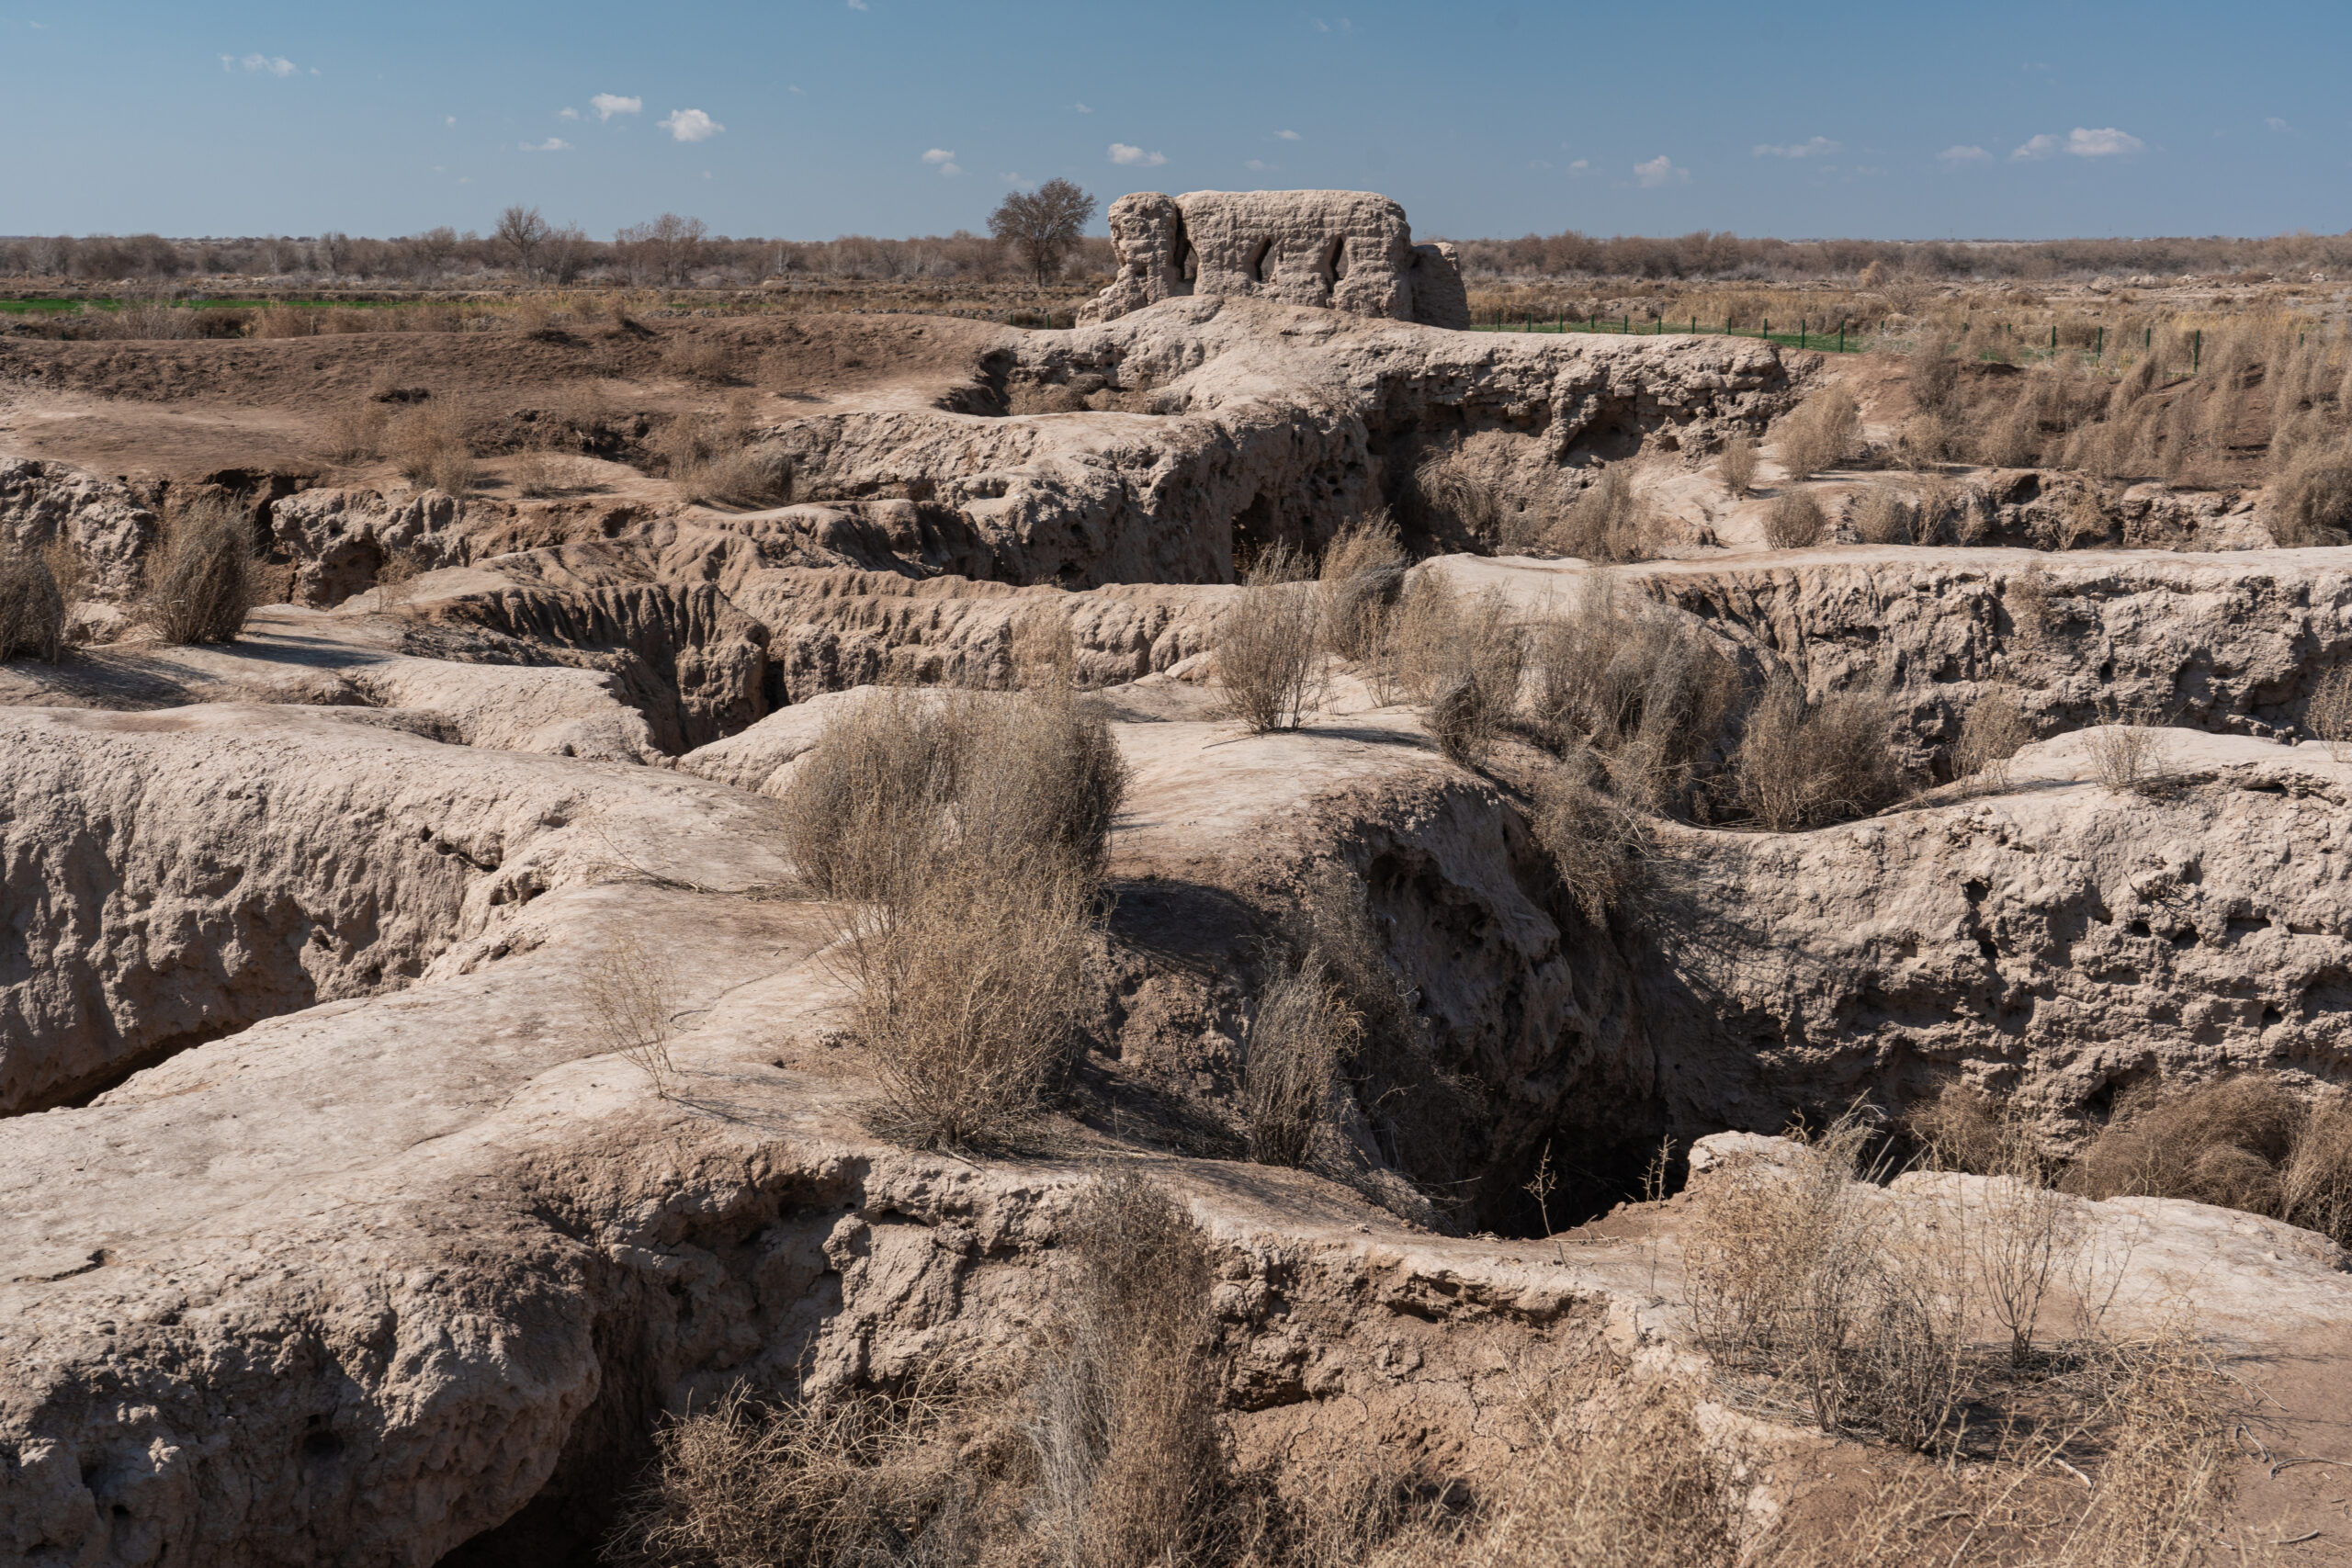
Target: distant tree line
x,y
1721,256
1034,236
669,251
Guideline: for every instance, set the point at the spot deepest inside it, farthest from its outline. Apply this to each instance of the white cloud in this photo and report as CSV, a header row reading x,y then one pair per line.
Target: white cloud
x,y
690,125
1581,165
1259,166
1814,147
944,161
448,120
1660,171
2108,142
1083,108
608,105
274,64
552,144
1956,156
1537,163
2080,143
2275,123
1122,154
1287,135
857,4
794,88
567,114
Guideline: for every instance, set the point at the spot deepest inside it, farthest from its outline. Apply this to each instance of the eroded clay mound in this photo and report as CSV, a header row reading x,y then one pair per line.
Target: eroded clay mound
x,y
177,876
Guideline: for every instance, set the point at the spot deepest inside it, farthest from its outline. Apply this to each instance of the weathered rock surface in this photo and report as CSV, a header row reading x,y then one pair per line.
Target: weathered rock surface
x,y
1342,250
175,876
2226,642
2061,940
102,519
1266,422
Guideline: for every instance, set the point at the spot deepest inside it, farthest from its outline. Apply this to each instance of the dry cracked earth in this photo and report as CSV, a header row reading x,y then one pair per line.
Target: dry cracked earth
x,y
330,1234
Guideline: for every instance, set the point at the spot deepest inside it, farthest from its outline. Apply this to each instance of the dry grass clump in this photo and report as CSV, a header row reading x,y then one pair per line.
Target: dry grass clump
x,y
1041,651
1461,657
966,835
1595,839
2124,756
353,434
1641,687
1794,521
2311,499
200,581
1820,433
540,474
1990,734
2329,714
32,606
853,1478
1802,761
1794,1272
432,446
2242,1143
719,459
2132,1472
1444,501
1269,646
1736,467
704,360
1363,572
1122,1413
1300,1033
632,1000
1610,521
969,991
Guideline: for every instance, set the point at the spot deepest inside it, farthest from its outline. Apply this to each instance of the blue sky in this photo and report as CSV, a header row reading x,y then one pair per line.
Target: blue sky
x,y
809,118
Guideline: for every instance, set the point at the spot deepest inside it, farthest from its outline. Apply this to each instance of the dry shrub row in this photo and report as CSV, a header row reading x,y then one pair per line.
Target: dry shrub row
x,y
963,835
200,581
32,604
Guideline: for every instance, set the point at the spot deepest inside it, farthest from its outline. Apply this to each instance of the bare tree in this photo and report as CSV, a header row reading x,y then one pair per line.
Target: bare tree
x,y
334,251
522,234
566,253
1043,225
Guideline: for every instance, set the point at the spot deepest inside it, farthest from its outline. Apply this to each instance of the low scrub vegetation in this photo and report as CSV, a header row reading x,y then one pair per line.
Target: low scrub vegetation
x,y
1737,465
200,583
719,459
1990,734
1270,662
431,445
1794,521
2079,1447
963,834
1820,433
1610,521
1363,572
1804,761
32,605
